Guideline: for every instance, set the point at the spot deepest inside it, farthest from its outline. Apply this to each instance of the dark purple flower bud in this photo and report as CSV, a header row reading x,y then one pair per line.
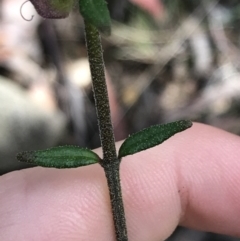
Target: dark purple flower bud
x,y
53,8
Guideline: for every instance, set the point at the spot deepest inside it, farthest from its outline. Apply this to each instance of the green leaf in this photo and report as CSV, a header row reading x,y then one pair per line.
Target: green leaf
x,y
151,137
60,157
96,13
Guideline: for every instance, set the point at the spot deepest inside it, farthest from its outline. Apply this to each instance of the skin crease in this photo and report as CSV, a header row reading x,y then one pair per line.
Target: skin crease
x,y
192,179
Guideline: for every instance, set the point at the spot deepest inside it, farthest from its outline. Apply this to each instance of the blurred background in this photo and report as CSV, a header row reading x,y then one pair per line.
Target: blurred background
x,y
165,60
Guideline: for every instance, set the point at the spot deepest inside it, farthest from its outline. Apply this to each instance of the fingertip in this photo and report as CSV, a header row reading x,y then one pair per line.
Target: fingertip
x,y
191,179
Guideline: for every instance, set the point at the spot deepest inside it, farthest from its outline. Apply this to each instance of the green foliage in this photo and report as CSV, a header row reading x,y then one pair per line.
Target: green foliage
x,y
96,13
60,157
151,137
96,17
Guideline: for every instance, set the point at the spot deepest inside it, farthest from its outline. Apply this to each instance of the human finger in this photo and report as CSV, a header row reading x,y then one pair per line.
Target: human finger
x,y
191,179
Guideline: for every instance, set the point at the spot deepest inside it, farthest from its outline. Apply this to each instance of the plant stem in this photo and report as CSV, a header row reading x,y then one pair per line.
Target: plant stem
x,y
110,162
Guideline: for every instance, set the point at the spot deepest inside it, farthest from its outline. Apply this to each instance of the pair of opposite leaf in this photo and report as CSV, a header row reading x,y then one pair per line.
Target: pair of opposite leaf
x,y
72,156
93,11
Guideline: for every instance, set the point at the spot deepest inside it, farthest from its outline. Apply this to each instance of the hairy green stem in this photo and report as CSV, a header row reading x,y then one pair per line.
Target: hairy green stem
x,y
110,162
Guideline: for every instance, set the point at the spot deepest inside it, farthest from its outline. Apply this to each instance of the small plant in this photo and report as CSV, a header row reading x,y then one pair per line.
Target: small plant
x,y
97,19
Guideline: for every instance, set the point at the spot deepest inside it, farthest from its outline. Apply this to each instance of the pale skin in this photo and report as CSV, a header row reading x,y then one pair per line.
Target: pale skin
x,y
193,180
